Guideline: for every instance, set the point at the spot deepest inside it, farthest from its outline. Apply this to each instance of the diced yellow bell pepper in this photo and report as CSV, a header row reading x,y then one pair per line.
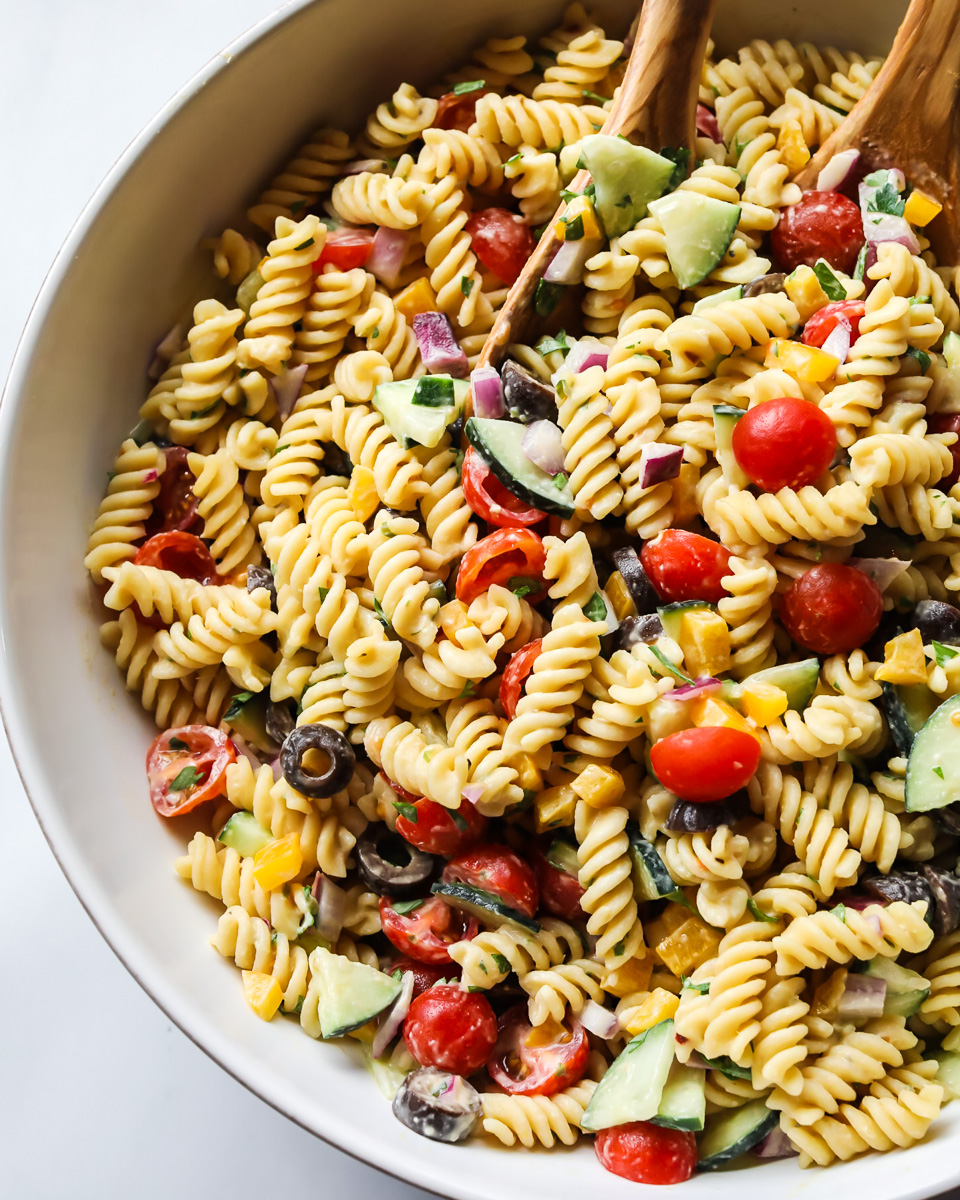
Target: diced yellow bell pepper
x,y
826,997
920,209
365,1033
633,976
529,775
659,1006
762,702
689,946
278,862
805,363
600,786
670,920
362,493
803,288
904,660
705,642
554,807
453,618
710,711
578,219
794,151
417,297
263,993
619,596
685,494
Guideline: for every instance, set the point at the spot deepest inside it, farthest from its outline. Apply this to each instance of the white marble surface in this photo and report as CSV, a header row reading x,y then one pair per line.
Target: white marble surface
x,y
100,1096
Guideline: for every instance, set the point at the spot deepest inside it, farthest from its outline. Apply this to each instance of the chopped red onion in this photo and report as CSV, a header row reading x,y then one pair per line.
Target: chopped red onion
x,y
706,685
659,463
276,769
287,387
439,348
331,907
377,165
776,1145
151,477
872,918
599,1020
392,1019
487,392
543,445
244,749
569,262
386,258
838,340
707,124
473,792
862,996
167,347
586,353
883,571
859,902
696,1059
838,171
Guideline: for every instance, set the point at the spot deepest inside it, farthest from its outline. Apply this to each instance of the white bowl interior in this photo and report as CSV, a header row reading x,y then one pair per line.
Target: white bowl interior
x,y
129,268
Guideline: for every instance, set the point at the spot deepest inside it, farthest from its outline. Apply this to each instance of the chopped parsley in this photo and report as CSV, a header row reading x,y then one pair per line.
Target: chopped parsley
x,y
502,964
938,771
406,810
324,593
680,156
304,245
381,615
406,906
188,778
702,988
831,285
466,285
594,96
473,85
758,913
595,608
560,481
520,586
886,200
942,653
234,710
549,345
922,357
573,228
176,743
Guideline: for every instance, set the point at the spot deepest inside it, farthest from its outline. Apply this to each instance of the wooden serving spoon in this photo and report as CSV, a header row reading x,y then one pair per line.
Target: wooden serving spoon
x,y
910,116
656,107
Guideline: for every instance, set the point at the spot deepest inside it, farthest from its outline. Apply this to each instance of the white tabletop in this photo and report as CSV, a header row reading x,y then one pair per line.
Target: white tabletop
x,y
100,1096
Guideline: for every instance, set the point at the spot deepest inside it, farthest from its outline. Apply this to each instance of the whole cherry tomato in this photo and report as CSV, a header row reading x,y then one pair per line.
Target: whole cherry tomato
x,y
706,763
182,553
538,1060
824,321
947,423
501,241
560,892
458,111
490,500
438,830
514,558
450,1029
822,225
832,609
495,868
784,443
647,1153
426,932
515,675
186,767
175,507
424,975
345,249
686,566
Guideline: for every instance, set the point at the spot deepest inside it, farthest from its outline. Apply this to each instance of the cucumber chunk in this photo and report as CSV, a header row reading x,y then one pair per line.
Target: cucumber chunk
x,y
651,879
485,906
698,231
626,179
244,833
906,989
633,1086
671,615
797,679
351,994
683,1104
499,443
730,293
948,1075
422,423
728,1135
247,716
933,768
563,856
725,418
908,707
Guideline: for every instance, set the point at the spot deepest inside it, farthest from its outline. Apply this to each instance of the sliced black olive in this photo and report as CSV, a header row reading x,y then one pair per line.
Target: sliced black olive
x,y
901,885
766,283
390,866
948,818
262,577
335,460
280,721
633,630
938,621
688,817
437,1105
946,893
526,397
455,431
636,579
330,742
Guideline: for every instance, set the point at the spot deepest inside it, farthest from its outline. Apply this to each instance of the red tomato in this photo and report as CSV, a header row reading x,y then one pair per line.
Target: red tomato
x,y
686,566
495,868
647,1153
501,241
185,767
439,830
176,506
515,675
560,893
490,500
424,975
512,557
427,932
822,225
538,1060
182,553
947,423
409,797
345,249
458,112
705,763
784,443
824,321
832,609
450,1029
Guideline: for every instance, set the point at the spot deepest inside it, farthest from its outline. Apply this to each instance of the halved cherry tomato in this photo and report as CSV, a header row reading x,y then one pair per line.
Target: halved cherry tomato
x,y
458,112
175,507
686,566
705,763
409,797
560,893
345,249
424,975
832,608
538,1060
182,553
947,423
647,1153
490,500
427,932
784,442
450,1029
822,225
186,766
438,830
501,241
824,321
495,868
515,675
514,558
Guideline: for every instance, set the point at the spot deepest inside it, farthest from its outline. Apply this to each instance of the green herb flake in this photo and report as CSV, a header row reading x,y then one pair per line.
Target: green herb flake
x,y
502,964
546,297
679,155
406,906
702,988
188,778
943,653
285,446
594,96
550,345
563,389
297,206
521,586
473,85
304,245
176,743
406,810
469,689
840,912
573,228
466,285
758,913
458,820
387,531
861,266
595,608
515,158
886,200
918,300
831,285
619,949
938,771
726,1066
381,615
560,481
374,333
234,710
922,357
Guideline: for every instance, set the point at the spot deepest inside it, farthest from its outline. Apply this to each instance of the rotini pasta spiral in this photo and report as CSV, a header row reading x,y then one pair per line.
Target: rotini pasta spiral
x,y
125,509
488,959
518,121
827,936
374,199
250,943
605,876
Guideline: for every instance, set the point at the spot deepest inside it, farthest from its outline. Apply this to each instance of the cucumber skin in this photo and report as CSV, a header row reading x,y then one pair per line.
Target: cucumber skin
x,y
548,504
477,901
755,1135
936,735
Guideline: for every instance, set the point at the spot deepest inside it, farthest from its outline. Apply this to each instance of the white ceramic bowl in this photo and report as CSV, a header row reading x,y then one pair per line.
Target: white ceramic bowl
x,y
125,273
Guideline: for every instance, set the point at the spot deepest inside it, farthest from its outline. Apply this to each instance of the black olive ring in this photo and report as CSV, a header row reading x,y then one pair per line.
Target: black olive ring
x,y
317,737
